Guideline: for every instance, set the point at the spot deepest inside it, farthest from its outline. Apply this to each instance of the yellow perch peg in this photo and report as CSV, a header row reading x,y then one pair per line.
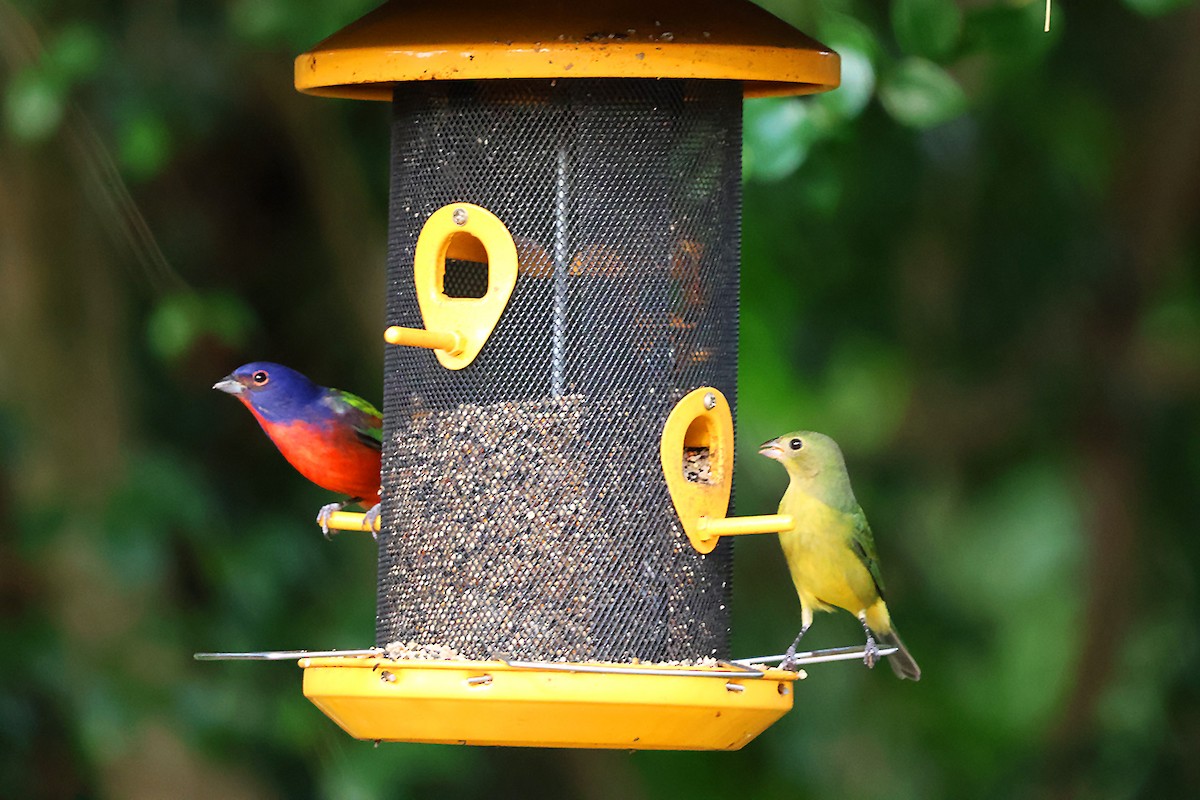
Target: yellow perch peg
x,y
350,521
447,341
738,526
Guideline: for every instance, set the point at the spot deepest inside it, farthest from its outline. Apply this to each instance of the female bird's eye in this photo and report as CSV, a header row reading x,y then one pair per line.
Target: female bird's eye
x,y
795,444
260,377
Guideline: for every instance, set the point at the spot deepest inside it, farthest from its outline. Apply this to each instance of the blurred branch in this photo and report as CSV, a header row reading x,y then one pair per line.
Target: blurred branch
x,y
21,48
1154,213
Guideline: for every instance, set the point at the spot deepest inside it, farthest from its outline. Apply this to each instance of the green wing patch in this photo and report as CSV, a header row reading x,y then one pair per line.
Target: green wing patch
x,y
862,542
355,401
367,421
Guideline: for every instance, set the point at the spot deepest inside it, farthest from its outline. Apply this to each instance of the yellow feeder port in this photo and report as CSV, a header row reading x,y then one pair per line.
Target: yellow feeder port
x,y
564,234
548,705
456,328
701,424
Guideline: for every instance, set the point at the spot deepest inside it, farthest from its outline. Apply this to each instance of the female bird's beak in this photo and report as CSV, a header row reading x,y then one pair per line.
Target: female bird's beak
x,y
771,449
230,385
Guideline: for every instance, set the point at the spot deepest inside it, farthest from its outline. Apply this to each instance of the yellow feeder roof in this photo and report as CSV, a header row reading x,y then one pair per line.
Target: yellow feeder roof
x,y
472,39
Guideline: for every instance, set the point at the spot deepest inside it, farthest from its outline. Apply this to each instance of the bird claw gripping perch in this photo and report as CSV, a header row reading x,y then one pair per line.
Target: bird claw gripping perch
x,y
370,520
789,659
871,653
324,515
870,650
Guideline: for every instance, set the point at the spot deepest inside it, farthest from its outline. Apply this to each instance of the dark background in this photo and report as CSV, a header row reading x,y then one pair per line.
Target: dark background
x,y
975,265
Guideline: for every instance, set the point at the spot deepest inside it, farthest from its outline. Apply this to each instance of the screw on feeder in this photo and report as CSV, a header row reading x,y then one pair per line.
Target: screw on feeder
x,y
387,677
710,401
460,216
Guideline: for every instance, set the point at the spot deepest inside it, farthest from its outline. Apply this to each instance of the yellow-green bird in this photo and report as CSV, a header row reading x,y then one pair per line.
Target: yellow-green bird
x,y
830,550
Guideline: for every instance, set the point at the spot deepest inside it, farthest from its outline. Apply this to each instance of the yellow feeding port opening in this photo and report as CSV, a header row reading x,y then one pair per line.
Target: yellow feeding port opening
x,y
700,429
697,461
534,704
698,464
464,272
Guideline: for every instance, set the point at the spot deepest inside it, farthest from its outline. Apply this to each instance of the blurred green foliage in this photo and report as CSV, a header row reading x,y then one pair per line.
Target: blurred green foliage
x,y
975,265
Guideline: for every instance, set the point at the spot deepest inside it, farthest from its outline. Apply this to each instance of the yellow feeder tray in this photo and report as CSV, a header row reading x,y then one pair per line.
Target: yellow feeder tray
x,y
534,704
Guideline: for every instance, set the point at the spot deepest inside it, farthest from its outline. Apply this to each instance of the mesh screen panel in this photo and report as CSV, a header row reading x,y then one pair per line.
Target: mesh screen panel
x,y
524,509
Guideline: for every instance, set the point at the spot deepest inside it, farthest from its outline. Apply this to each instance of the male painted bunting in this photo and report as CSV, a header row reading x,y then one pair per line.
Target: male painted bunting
x,y
830,551
331,437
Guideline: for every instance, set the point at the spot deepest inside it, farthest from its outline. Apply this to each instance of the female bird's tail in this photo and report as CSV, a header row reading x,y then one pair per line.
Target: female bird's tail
x,y
902,661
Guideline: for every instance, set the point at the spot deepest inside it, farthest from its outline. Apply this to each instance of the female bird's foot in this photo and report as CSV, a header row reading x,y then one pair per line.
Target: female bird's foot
x,y
370,520
789,658
871,652
324,515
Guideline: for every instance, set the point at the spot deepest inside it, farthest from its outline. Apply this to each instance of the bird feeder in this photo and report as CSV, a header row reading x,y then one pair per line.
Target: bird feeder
x,y
562,308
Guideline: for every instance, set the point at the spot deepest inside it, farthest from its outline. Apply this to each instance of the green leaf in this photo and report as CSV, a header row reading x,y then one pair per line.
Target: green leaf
x,y
866,393
75,53
1013,34
921,94
929,28
778,134
145,146
180,320
33,106
1156,8
858,49
261,21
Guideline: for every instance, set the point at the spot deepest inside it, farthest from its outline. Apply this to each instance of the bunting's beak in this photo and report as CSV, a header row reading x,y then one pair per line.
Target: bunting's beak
x,y
772,449
230,385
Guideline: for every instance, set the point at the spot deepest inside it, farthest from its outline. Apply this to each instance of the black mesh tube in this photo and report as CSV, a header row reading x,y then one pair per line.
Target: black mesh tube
x,y
524,509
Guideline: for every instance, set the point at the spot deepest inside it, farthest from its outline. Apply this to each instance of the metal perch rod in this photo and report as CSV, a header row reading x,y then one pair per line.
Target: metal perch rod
x,y
742,665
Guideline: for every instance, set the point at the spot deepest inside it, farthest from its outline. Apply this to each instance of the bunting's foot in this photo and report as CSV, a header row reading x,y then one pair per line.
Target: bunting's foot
x,y
324,515
371,519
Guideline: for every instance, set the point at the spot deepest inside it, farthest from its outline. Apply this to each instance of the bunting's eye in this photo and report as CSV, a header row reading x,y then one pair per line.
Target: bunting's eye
x,y
260,378
795,444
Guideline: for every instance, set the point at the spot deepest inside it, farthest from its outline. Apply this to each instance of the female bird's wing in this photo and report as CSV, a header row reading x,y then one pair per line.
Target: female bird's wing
x,y
361,415
862,542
